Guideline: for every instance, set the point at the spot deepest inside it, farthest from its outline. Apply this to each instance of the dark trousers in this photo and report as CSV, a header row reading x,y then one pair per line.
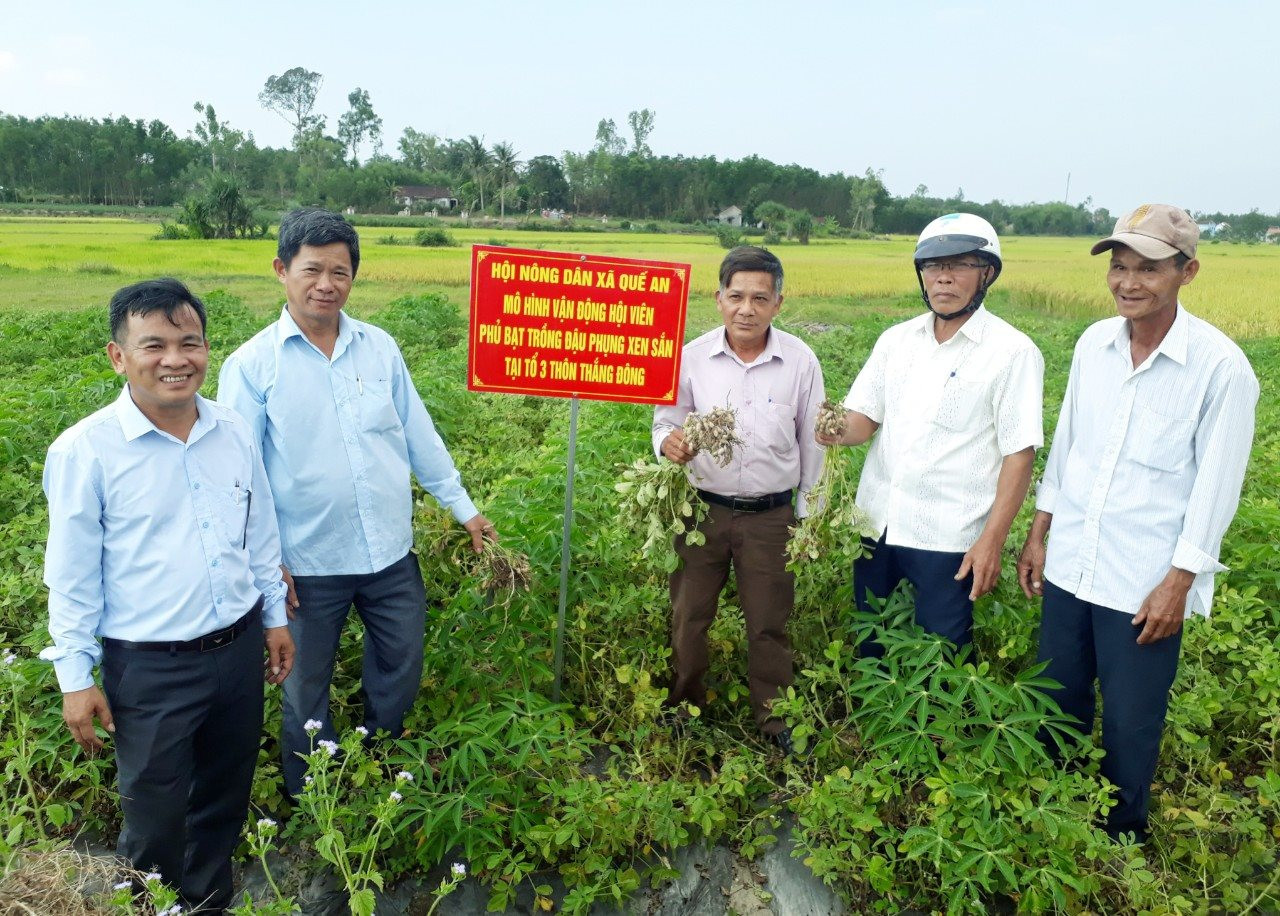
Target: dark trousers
x,y
1083,641
754,545
942,603
392,604
188,727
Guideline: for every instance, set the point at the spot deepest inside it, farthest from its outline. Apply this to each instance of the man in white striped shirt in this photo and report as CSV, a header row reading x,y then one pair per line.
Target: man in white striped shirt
x,y
1142,480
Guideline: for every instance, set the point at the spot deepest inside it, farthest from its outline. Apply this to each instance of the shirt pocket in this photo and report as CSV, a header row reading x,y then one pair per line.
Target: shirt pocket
x,y
376,408
1160,442
957,404
780,427
231,512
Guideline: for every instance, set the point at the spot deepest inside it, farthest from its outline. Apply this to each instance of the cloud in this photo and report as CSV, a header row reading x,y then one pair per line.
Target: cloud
x,y
64,77
69,43
8,61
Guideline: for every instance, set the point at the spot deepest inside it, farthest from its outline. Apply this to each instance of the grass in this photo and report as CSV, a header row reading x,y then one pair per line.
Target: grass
x,y
57,263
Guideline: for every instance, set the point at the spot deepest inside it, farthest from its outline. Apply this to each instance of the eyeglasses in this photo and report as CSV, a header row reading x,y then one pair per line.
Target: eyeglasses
x,y
934,268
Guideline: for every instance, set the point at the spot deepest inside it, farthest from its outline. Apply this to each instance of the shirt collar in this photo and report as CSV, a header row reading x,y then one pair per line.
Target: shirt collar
x,y
973,329
772,348
135,424
1173,346
287,328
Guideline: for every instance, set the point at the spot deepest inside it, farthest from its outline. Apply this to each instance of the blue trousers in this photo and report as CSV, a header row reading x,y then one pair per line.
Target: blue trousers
x,y
392,604
188,726
942,603
1083,642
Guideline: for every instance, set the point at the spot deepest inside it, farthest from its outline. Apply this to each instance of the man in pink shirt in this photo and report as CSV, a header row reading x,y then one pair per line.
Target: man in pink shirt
x,y
773,382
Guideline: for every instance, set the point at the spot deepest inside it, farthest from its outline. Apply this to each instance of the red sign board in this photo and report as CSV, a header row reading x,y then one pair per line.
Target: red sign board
x,y
575,325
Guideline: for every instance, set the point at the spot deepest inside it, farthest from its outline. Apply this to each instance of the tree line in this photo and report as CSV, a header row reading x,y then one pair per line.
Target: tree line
x,y
216,171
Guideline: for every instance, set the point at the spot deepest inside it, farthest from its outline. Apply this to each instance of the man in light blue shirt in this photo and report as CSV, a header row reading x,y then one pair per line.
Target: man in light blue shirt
x,y
163,544
341,426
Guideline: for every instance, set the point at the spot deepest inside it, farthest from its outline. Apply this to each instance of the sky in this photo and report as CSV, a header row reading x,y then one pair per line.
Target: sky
x,y
1118,103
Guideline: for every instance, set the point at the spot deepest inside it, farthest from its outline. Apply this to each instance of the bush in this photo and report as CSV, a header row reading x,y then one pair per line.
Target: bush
x,y
223,212
771,237
434,238
172,232
728,236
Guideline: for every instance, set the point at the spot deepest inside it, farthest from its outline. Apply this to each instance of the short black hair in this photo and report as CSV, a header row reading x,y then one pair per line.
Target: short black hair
x,y
164,294
316,226
1180,260
751,258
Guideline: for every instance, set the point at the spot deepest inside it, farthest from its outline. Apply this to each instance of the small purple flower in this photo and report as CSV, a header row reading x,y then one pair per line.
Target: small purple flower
x,y
265,823
122,885
396,797
311,726
151,876
362,731
330,747
459,870
404,776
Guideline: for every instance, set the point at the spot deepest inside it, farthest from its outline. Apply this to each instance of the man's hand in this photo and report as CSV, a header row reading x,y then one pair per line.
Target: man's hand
x,y
675,449
856,429
279,654
983,560
1031,560
79,709
481,530
826,440
1161,613
291,598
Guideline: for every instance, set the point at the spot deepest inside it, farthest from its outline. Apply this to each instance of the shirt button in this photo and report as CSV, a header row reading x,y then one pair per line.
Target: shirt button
x,y
219,600
204,525
197,486
215,563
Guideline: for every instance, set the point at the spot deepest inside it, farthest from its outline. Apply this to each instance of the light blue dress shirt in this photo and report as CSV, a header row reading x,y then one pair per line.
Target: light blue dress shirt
x,y
339,437
152,538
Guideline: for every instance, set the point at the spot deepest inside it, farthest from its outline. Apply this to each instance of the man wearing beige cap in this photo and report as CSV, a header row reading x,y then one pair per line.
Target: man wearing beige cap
x,y
1142,480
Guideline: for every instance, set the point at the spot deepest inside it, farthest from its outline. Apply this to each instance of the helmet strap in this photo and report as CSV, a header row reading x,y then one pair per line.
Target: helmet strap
x,y
969,309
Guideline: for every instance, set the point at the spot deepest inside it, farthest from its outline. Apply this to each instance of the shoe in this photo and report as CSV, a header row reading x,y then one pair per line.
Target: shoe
x,y
783,740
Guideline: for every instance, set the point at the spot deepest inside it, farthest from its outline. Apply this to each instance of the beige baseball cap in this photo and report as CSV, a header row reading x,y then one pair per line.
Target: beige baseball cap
x,y
1155,231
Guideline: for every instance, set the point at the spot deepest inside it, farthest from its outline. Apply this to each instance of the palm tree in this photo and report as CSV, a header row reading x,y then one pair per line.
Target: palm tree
x,y
476,160
505,164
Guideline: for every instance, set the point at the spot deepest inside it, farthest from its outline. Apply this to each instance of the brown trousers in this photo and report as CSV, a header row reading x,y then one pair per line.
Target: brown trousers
x,y
754,545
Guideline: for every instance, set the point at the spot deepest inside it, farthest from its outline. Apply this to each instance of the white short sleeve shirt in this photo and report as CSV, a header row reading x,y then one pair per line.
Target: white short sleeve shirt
x,y
949,414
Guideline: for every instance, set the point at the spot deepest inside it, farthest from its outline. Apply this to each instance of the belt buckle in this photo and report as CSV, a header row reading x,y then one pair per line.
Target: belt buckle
x,y
217,640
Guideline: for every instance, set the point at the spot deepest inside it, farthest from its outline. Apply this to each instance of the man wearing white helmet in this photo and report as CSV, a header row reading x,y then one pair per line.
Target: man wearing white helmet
x,y
1143,479
952,402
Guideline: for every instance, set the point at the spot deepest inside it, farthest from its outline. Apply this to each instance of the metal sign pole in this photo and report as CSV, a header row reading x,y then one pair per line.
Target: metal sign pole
x,y
564,548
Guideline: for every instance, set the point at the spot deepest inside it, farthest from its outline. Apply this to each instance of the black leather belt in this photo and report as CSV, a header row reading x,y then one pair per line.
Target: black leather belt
x,y
207,643
748,503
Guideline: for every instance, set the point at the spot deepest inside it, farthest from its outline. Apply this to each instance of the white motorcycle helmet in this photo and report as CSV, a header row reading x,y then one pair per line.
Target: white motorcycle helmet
x,y
953,234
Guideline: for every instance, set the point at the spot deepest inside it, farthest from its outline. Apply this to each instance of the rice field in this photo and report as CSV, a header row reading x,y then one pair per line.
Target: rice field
x,y
61,263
